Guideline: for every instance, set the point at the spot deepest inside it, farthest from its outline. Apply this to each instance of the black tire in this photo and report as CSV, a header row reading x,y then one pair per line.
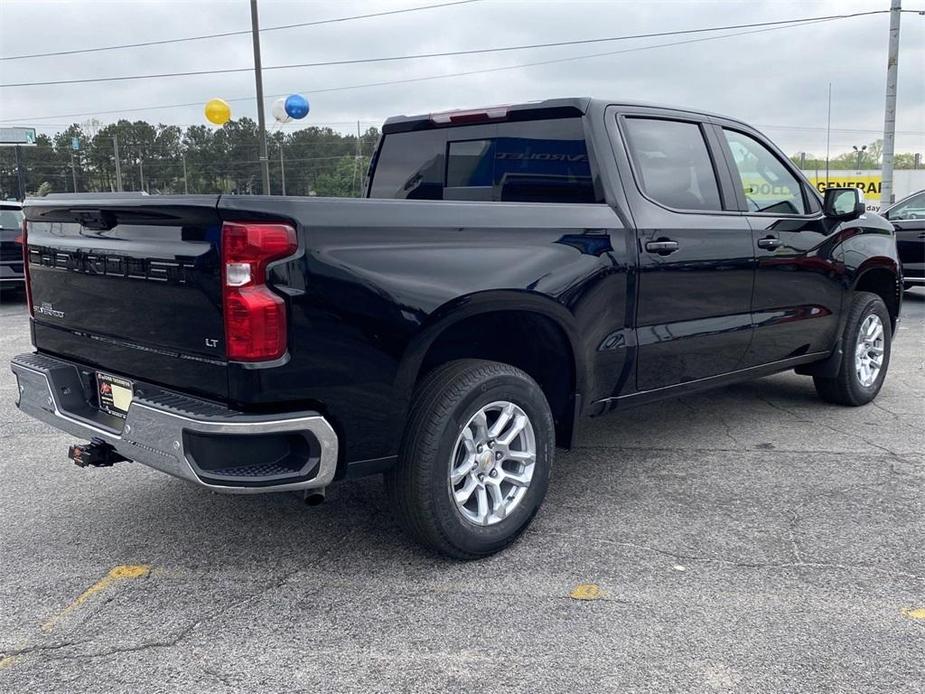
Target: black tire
x,y
418,486
846,388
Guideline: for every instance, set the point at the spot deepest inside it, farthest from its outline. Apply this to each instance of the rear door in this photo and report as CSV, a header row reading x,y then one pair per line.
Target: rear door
x,y
696,262
797,298
130,284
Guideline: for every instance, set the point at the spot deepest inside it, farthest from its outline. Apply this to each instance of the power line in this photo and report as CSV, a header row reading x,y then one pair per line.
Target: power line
x,y
234,33
453,75
446,54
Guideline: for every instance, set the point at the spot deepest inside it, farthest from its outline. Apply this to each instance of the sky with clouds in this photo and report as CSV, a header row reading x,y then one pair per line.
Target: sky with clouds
x,y
776,80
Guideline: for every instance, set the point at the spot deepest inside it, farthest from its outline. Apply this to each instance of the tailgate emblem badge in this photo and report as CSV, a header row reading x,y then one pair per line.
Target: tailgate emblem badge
x,y
46,309
211,342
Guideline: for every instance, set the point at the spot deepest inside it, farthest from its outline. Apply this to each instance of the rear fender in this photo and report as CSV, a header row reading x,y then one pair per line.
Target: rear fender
x,y
468,306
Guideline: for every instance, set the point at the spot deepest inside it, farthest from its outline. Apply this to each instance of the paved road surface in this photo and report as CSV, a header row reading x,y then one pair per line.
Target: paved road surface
x,y
748,539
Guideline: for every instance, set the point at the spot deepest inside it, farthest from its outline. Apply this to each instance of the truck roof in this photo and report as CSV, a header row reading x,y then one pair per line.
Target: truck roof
x,y
530,110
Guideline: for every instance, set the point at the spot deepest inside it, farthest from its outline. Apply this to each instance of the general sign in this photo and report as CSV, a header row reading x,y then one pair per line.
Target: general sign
x,y
869,185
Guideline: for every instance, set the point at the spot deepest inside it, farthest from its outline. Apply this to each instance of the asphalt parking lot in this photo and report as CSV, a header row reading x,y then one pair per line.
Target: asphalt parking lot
x,y
748,539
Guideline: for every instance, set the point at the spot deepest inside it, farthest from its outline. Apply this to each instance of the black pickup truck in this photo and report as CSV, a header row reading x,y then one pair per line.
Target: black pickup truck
x,y
513,270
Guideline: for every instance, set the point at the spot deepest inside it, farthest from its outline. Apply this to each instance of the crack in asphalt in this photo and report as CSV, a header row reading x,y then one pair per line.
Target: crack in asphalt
x,y
773,451
186,632
754,565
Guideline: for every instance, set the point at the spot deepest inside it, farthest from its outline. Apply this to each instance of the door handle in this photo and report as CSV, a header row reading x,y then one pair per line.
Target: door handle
x,y
769,243
662,246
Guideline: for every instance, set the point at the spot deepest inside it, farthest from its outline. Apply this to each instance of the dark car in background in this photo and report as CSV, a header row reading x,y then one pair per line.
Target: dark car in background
x,y
11,270
908,218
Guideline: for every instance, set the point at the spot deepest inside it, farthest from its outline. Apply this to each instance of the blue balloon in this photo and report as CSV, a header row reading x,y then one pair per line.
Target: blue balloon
x,y
296,106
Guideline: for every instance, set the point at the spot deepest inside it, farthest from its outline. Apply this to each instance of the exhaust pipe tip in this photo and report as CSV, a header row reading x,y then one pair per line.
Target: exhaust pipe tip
x,y
314,497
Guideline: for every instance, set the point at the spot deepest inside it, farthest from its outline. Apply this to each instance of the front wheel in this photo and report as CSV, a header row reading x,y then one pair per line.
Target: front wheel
x,y
867,340
475,458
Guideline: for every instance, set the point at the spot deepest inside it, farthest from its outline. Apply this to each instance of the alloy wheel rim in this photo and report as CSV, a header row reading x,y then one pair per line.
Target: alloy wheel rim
x,y
868,353
492,463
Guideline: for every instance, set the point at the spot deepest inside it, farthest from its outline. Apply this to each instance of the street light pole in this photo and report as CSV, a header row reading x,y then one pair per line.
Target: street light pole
x,y
860,154
261,120
73,172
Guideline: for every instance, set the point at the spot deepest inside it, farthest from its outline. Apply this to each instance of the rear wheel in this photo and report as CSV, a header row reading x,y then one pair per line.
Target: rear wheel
x,y
475,459
866,342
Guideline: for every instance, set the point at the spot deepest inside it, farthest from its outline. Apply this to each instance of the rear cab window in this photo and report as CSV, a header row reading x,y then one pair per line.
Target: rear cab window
x,y
544,161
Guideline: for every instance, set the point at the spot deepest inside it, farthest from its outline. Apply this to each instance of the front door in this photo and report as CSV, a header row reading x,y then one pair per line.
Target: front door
x,y
797,297
908,218
696,263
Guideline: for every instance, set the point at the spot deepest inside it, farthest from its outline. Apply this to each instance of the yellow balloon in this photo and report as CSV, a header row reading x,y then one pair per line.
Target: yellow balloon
x,y
218,111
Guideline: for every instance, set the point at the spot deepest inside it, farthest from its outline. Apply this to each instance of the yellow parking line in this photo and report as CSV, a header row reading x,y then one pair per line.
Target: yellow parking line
x,y
6,661
586,591
119,573
914,612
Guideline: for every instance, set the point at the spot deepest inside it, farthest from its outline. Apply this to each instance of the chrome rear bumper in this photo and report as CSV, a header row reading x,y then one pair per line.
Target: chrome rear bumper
x,y
161,427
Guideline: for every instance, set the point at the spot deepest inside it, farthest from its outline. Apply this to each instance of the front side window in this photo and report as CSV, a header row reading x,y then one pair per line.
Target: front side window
x,y
913,208
768,184
673,164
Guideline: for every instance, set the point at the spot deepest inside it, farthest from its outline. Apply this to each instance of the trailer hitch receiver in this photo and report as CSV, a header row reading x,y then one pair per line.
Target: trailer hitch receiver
x,y
96,453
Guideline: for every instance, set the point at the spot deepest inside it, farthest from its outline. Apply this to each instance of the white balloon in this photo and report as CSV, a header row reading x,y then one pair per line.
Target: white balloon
x,y
279,111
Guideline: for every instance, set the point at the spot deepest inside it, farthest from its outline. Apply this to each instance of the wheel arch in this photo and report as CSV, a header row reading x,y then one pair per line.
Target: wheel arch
x,y
485,325
881,276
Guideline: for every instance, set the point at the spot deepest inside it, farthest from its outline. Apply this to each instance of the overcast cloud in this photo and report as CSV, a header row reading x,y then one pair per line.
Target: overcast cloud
x,y
775,80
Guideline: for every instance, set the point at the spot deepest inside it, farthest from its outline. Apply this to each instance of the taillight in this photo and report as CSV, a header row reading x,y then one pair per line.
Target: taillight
x,y
255,317
23,238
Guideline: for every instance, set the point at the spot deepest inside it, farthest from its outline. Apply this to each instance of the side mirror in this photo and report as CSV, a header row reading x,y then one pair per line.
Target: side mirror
x,y
843,203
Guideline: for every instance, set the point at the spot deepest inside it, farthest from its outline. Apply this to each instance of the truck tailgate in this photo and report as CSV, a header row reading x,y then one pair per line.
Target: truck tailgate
x,y
132,285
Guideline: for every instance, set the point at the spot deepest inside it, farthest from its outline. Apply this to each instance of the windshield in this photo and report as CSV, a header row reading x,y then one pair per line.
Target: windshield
x,y
10,219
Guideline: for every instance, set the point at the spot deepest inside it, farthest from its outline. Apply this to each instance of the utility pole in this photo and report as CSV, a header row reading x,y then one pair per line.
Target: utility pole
x,y
73,172
185,184
261,119
356,163
141,171
889,115
20,177
115,152
282,168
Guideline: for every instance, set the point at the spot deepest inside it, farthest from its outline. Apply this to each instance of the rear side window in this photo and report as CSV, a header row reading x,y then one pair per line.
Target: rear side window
x,y
672,163
528,161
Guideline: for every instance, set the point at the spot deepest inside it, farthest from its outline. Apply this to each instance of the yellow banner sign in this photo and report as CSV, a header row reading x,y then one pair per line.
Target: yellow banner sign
x,y
869,184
